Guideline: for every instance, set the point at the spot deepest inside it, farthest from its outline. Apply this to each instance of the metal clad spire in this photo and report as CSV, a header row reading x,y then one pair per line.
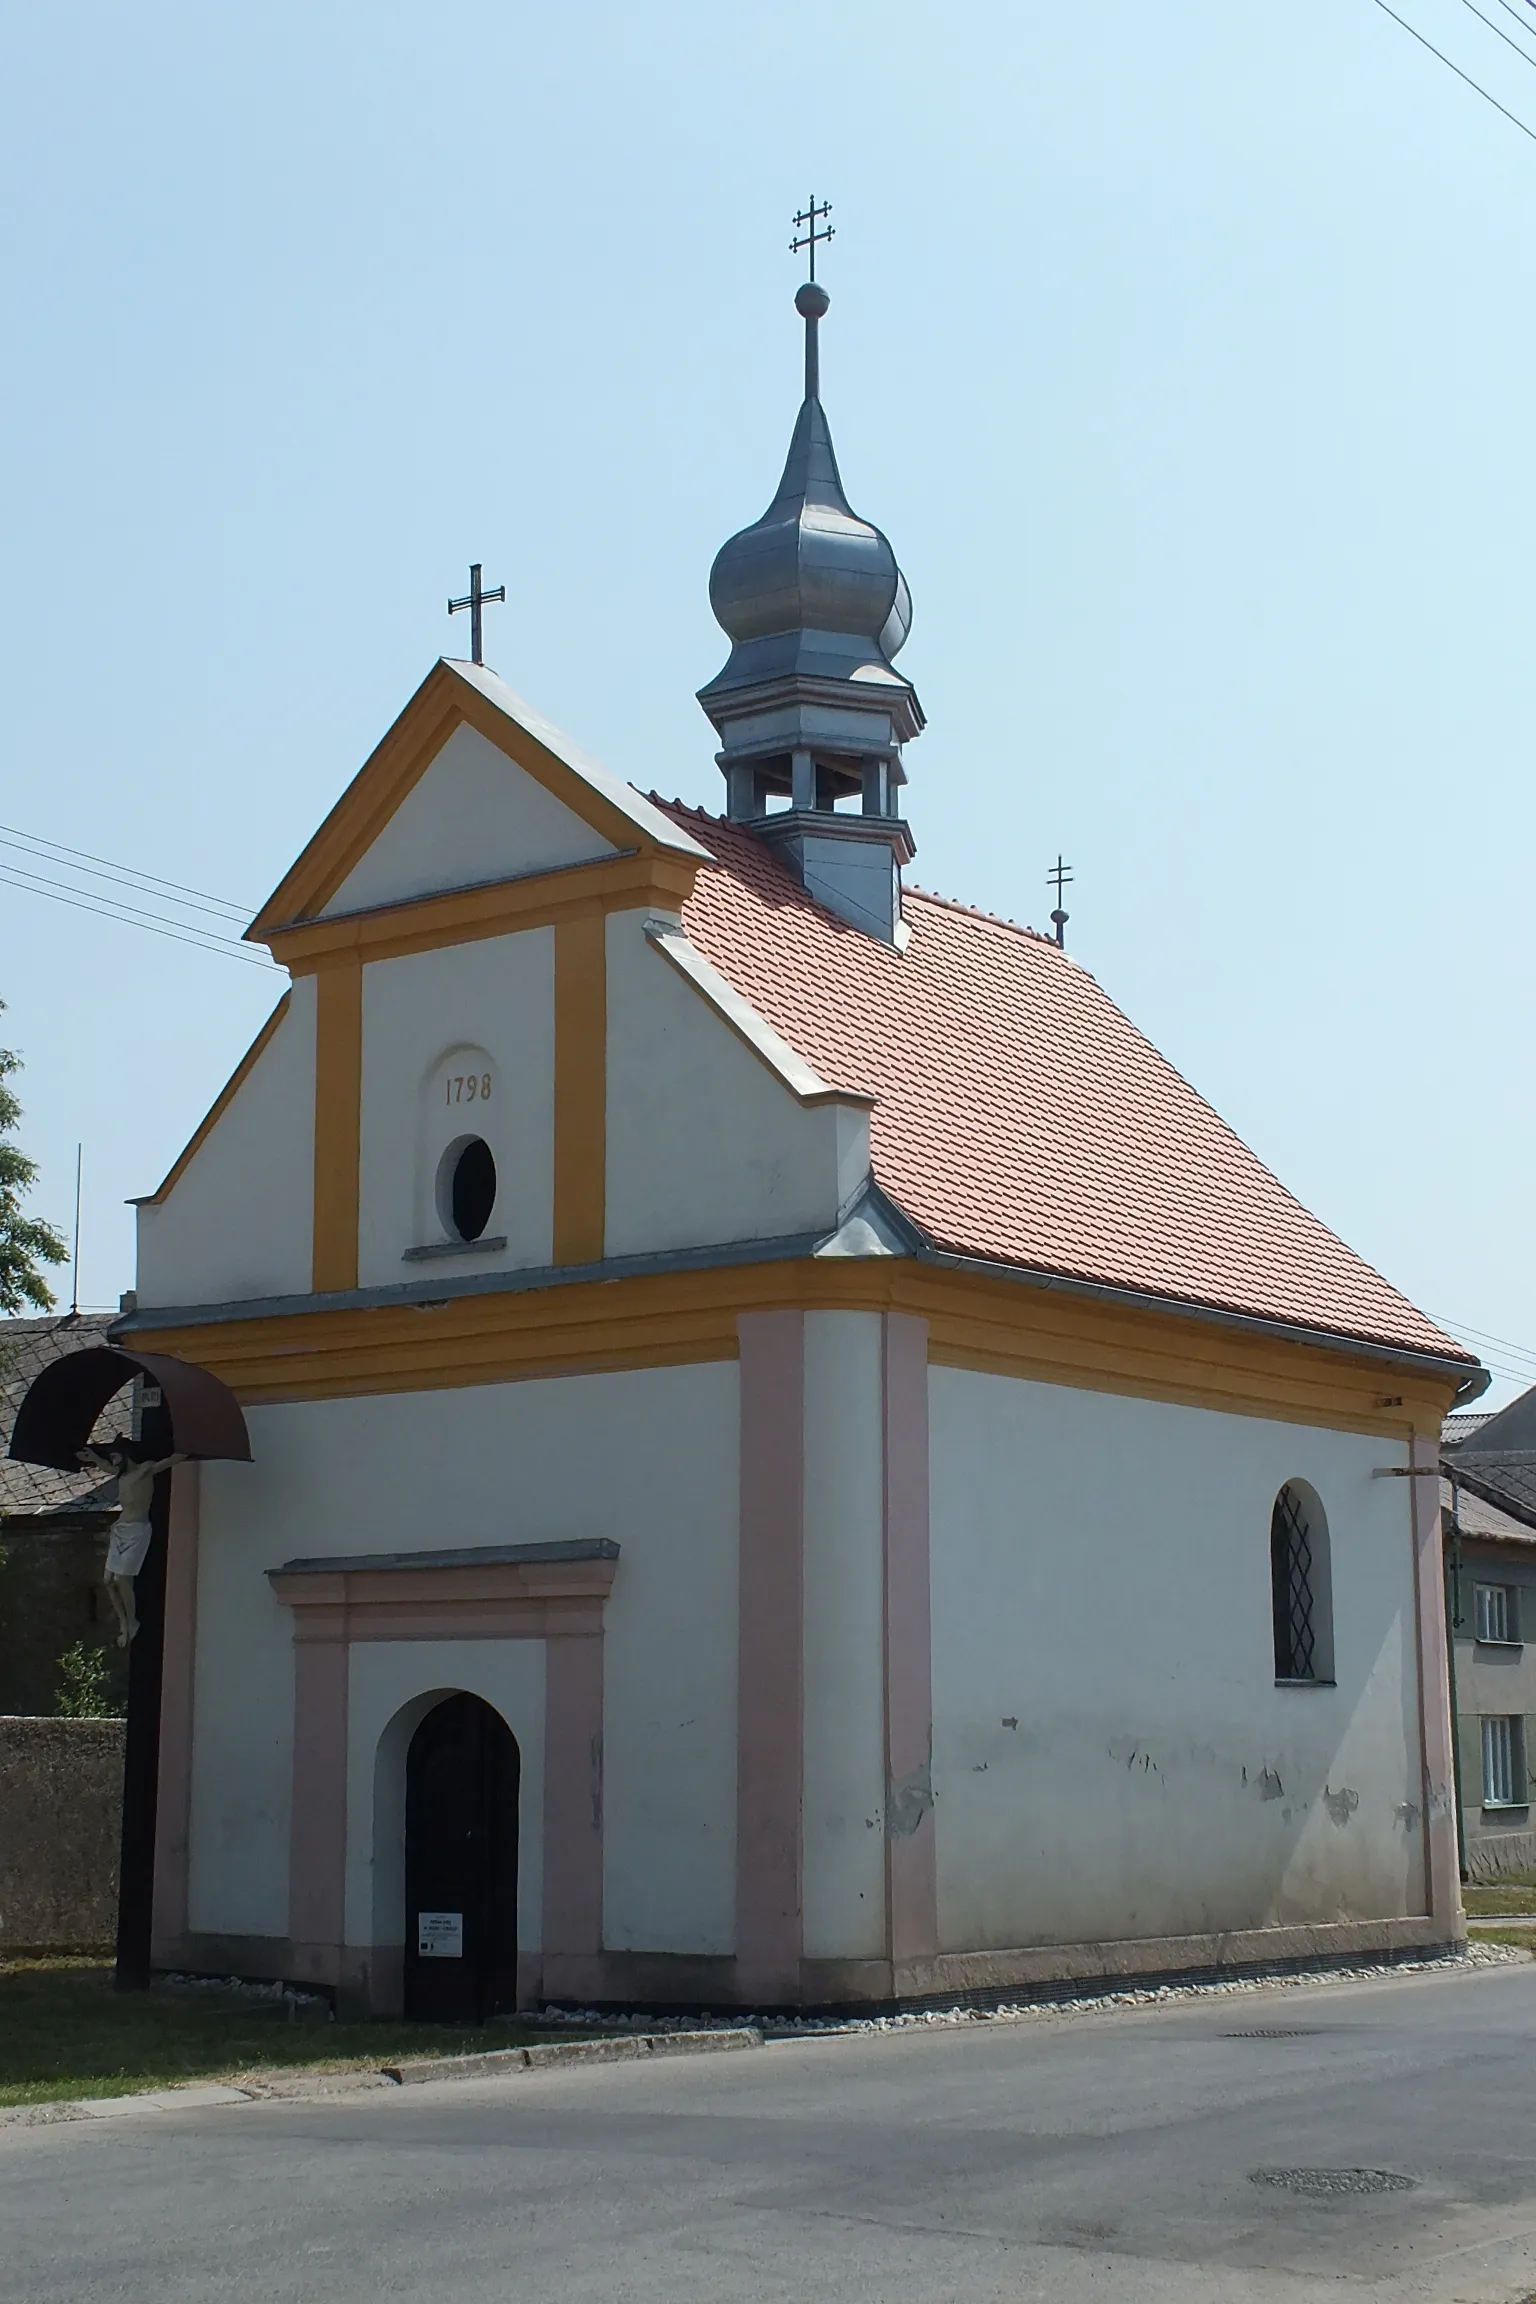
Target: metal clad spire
x,y
809,706
474,600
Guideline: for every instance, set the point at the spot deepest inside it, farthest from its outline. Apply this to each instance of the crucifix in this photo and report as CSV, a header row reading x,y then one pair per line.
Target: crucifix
x,y
474,600
1059,877
810,237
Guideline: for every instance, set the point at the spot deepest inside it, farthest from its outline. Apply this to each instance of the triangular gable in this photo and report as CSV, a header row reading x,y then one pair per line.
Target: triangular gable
x,y
572,809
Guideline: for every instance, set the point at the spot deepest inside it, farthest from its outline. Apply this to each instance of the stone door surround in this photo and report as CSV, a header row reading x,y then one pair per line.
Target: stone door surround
x,y
550,1592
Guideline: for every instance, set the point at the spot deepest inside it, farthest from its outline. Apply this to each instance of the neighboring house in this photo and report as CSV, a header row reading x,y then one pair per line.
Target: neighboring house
x,y
1488,1493
54,1528
795,1460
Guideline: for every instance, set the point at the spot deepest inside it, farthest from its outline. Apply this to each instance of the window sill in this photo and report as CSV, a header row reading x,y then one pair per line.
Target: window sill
x,y
1480,1642
1506,1807
1309,1682
487,1246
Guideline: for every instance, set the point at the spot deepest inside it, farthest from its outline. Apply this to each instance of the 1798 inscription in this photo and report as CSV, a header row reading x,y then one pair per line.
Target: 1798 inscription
x,y
467,1088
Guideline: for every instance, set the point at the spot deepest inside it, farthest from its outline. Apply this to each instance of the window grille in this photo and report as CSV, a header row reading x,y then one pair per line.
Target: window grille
x,y
1496,1615
1291,1568
1503,1763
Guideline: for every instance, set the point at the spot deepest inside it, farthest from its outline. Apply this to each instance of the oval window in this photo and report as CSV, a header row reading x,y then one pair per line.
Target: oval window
x,y
467,1188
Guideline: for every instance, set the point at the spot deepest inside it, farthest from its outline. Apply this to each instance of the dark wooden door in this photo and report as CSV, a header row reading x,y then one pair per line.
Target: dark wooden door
x,y
461,1779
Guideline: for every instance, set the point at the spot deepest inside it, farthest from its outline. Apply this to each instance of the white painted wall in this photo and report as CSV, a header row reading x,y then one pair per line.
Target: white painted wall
x,y
239,1222
705,1144
391,1677
844,1830
242,1706
474,816
647,1457
429,1019
1100,1573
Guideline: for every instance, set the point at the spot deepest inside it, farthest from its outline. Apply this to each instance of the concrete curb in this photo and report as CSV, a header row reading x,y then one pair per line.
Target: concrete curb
x,y
497,2062
309,2087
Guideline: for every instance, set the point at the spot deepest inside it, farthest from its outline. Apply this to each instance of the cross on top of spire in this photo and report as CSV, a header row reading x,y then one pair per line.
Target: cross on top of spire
x,y
1059,877
810,236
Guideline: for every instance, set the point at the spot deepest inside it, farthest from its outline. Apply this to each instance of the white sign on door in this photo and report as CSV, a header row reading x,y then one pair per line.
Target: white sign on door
x,y
440,1935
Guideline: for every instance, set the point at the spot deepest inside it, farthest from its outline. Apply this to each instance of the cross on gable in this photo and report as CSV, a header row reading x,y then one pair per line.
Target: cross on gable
x,y
474,600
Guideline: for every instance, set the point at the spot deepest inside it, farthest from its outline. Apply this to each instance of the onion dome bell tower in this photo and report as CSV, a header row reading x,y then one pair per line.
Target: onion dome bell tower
x,y
809,707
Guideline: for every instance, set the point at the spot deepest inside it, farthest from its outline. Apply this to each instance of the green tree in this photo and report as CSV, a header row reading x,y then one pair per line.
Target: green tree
x,y
84,1693
25,1241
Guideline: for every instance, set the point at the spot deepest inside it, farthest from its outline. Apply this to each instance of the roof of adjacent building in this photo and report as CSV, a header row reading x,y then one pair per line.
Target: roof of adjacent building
x,y
1019,1117
1496,1461
1481,1521
26,1348
1508,1480
1461,1426
1510,1430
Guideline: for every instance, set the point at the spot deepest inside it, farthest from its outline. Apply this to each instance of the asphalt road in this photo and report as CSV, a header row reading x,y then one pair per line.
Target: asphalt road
x,y
1103,2157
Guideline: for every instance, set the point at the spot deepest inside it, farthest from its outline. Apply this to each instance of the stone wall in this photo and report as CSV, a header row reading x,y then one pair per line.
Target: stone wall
x,y
61,1793
50,1598
1492,1856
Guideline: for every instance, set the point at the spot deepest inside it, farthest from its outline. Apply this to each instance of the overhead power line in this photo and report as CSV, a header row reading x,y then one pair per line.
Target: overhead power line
x,y
211,905
1475,85
130,916
1505,1345
166,908
1521,16
1523,53
35,841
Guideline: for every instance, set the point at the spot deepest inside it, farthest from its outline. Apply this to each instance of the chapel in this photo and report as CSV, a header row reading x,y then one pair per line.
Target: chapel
x,y
794,1461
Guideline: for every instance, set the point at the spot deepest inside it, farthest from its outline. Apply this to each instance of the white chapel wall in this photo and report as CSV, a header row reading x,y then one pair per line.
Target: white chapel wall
x,y
647,1457
474,816
1100,1578
239,1221
242,1698
705,1144
435,1026
844,1807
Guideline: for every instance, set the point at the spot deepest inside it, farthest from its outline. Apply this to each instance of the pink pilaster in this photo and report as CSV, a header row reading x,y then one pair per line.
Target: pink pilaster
x,y
573,1815
911,1869
318,1834
770,1729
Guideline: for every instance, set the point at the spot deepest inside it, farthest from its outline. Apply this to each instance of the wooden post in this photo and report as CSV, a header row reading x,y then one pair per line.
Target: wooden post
x,y
141,1743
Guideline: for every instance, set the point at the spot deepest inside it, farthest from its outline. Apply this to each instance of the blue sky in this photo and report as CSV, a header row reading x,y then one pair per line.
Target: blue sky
x,y
1181,352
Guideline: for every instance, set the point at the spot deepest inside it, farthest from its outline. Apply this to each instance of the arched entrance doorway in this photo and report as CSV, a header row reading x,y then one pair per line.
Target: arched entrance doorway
x,y
461,1782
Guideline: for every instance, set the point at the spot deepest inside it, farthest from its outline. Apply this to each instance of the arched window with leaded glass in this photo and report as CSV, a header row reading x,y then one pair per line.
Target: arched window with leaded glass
x,y
1301,1586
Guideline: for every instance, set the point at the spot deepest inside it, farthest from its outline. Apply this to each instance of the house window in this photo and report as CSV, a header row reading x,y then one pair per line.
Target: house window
x,y
1504,1762
1301,1588
1498,1614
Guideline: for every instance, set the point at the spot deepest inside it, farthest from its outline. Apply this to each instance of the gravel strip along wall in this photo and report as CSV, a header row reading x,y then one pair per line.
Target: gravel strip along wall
x,y
61,1797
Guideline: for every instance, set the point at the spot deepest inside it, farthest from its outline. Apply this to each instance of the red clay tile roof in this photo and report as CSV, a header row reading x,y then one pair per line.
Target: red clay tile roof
x,y
1019,1116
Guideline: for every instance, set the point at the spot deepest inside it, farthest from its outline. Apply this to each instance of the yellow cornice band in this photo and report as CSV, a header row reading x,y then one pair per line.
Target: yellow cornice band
x,y
991,1327
497,908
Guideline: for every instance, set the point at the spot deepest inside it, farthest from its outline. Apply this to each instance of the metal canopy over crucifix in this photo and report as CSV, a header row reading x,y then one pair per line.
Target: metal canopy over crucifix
x,y
810,236
474,600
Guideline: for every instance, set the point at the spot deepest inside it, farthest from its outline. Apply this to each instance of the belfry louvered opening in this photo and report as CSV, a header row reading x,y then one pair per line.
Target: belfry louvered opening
x,y
1300,1586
